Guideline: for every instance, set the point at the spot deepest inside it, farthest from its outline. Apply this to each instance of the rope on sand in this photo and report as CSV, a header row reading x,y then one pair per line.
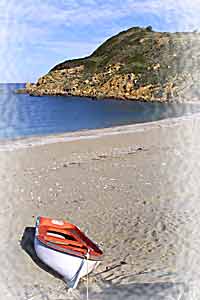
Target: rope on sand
x,y
87,284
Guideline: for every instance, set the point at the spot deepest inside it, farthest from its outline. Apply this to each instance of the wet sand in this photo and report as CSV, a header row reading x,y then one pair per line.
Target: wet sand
x,y
134,190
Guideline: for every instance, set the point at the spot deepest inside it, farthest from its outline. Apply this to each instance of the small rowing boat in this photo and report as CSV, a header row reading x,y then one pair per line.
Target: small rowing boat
x,y
66,249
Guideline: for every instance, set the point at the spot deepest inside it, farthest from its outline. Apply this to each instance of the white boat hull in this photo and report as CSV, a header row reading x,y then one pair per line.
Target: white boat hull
x,y
70,267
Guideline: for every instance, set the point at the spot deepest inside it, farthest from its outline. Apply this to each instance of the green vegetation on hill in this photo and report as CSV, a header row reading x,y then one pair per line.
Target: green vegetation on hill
x,y
138,63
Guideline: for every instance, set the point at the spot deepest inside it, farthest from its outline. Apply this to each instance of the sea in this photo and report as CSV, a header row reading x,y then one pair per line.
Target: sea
x,y
25,116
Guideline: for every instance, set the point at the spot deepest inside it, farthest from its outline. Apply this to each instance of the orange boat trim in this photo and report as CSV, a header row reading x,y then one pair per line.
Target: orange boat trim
x,y
65,237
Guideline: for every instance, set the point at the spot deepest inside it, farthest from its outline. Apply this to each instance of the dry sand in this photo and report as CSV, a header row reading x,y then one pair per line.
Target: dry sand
x,y
134,190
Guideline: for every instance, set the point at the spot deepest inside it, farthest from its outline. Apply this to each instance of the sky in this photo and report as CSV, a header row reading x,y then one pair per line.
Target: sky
x,y
36,35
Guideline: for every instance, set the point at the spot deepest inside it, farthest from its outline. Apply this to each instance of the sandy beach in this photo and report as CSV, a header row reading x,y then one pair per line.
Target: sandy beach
x,y
134,190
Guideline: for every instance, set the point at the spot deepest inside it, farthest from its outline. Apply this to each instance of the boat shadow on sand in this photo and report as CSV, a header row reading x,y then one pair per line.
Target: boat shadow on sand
x,y
27,244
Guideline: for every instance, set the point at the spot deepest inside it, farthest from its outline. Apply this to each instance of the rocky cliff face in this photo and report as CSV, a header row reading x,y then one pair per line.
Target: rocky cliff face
x,y
137,64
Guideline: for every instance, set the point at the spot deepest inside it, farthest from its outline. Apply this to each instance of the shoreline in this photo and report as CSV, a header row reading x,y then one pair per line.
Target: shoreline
x,y
92,97
33,141
115,98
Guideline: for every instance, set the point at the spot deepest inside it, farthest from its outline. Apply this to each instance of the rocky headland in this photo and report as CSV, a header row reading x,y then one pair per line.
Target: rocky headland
x,y
136,64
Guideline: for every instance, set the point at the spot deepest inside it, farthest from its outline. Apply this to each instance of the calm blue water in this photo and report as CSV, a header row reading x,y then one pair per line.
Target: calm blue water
x,y
22,115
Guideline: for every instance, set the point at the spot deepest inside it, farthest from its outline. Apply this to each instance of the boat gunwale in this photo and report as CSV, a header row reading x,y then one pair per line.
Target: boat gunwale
x,y
56,248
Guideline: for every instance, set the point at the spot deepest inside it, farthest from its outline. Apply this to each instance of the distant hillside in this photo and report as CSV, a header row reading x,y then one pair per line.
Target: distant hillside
x,y
136,64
